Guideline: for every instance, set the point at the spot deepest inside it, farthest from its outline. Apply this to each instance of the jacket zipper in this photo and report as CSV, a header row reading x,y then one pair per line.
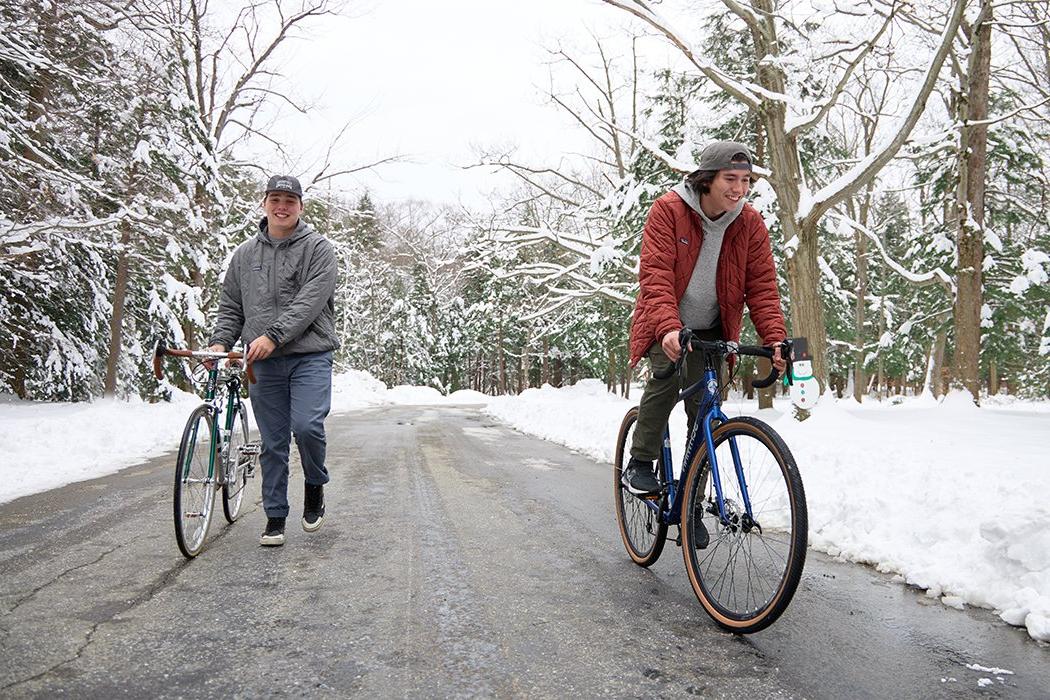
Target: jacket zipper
x,y
276,290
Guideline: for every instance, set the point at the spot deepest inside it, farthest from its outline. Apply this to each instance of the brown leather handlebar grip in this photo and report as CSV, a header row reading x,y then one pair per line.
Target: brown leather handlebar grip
x,y
158,369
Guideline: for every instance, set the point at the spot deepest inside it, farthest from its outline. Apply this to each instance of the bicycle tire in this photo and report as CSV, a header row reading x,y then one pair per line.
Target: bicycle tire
x,y
642,530
194,494
768,468
237,479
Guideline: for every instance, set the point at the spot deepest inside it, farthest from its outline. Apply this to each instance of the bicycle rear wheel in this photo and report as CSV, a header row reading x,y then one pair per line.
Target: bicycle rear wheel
x,y
641,528
194,495
237,461
747,574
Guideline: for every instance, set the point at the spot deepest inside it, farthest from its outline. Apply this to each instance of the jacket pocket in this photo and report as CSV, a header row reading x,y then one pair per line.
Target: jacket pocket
x,y
288,278
257,291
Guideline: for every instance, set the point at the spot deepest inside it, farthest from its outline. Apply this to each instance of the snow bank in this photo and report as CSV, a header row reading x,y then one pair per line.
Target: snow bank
x,y
46,445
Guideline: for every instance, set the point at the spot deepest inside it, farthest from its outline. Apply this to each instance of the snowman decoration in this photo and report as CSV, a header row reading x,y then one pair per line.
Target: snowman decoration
x,y
805,390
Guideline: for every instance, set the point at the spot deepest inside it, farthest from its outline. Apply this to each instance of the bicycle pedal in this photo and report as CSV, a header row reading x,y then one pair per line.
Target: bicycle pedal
x,y
250,449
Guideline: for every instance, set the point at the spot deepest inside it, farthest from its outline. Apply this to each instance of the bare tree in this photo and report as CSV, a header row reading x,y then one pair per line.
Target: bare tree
x,y
800,210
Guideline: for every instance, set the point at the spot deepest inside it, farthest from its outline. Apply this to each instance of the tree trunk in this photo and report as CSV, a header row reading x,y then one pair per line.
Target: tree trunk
x,y
40,89
116,318
939,342
765,396
859,309
970,208
502,387
807,306
859,378
545,377
880,382
993,377
803,272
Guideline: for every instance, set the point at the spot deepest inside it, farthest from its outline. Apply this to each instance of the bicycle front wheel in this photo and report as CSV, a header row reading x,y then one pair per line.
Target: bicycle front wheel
x,y
641,527
194,483
236,466
747,573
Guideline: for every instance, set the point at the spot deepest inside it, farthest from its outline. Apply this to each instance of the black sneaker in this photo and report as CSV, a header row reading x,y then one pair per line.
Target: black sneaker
x,y
639,479
313,507
701,538
273,536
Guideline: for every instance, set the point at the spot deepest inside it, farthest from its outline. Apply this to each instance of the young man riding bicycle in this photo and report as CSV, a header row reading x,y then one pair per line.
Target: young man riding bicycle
x,y
279,298
705,253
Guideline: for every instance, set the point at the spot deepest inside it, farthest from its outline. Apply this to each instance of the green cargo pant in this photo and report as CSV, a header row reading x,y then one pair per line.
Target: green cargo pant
x,y
660,396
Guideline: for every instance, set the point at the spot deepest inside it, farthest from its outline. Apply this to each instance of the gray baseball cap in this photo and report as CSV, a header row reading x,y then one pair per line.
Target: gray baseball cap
x,y
719,156
284,183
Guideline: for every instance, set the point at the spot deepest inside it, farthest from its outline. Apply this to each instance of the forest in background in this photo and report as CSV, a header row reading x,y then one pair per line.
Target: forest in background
x,y
904,150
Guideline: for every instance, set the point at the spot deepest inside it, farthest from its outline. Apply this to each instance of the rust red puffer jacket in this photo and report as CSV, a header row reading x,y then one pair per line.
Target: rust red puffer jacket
x,y
670,246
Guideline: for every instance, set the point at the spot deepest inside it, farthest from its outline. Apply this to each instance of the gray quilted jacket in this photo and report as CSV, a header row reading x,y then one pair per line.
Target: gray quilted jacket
x,y
281,288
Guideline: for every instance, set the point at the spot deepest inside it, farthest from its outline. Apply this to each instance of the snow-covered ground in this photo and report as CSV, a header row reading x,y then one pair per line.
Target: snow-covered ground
x,y
950,497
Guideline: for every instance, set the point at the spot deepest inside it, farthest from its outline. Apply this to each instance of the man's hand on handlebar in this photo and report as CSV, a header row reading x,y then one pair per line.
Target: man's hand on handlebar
x,y
778,359
671,347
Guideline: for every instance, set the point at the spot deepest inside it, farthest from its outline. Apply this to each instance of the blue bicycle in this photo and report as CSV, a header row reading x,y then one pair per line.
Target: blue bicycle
x,y
743,531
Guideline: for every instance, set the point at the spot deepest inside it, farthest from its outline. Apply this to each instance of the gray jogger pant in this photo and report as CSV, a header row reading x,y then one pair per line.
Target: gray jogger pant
x,y
292,394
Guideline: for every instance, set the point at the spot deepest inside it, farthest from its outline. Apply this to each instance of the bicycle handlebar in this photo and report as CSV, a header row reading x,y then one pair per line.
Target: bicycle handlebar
x,y
687,342
161,351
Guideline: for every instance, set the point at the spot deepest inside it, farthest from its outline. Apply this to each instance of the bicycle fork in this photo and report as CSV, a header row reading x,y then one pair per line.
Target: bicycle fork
x,y
708,418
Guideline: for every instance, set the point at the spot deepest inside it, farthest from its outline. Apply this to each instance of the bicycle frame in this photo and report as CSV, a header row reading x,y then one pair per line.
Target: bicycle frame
x,y
220,437
709,411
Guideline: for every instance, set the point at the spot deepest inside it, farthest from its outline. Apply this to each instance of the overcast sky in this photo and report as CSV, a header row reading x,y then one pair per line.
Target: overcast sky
x,y
432,80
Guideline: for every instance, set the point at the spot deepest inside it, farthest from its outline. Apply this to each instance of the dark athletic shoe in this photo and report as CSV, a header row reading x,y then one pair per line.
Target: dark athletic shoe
x,y
313,507
273,536
639,479
701,538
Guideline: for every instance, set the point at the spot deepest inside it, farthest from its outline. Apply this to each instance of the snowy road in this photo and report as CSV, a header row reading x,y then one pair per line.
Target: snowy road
x,y
459,558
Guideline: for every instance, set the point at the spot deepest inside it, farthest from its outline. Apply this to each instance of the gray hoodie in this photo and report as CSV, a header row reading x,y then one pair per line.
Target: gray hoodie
x,y
698,307
283,288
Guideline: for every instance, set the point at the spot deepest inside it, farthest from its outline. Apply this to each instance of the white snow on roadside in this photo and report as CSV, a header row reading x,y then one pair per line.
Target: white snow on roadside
x,y
47,445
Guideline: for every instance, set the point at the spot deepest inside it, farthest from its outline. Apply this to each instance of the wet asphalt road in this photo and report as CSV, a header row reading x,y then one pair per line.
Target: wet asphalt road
x,y
458,559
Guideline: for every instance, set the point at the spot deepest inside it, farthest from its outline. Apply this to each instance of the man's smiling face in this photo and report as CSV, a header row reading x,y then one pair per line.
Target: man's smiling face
x,y
282,210
727,189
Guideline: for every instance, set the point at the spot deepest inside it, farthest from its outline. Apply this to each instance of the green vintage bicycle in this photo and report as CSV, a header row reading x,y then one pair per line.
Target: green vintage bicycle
x,y
216,452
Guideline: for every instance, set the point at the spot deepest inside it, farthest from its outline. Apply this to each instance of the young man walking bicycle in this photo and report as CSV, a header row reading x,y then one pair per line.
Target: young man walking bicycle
x,y
705,253
278,297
